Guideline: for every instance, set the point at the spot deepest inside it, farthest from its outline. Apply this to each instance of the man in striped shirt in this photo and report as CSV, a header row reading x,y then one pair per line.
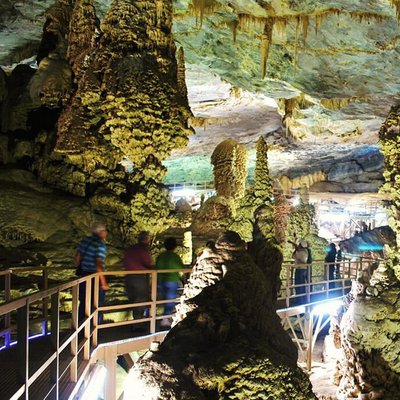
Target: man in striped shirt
x,y
91,255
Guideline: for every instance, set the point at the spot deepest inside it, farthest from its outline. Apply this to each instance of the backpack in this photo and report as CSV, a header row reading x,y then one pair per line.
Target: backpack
x,y
300,256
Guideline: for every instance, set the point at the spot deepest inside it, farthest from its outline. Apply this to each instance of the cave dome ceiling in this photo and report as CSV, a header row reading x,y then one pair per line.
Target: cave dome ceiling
x,y
338,61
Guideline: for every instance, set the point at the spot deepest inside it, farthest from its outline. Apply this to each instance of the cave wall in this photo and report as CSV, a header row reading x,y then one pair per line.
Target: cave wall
x,y
389,136
103,94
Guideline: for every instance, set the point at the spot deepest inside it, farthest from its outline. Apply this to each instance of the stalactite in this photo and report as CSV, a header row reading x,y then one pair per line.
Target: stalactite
x,y
56,29
305,21
396,5
247,21
234,27
335,103
296,43
281,24
200,8
266,40
82,27
368,17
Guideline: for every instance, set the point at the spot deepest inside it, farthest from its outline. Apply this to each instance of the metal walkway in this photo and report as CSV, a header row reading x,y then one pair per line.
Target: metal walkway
x,y
47,354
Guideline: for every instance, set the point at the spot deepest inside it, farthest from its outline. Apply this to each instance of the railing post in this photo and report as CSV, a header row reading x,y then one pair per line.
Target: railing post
x,y
96,294
288,283
310,340
153,309
73,372
45,284
309,269
23,346
88,312
55,338
7,297
110,362
326,278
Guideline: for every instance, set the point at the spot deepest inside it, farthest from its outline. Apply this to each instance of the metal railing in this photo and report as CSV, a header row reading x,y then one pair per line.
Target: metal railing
x,y
74,344
319,286
75,340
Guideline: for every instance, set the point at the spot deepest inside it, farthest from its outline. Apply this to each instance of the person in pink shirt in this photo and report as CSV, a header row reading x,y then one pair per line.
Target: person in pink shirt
x,y
138,257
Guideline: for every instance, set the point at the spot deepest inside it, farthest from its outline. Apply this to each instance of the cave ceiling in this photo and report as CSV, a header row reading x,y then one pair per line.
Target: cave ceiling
x,y
339,59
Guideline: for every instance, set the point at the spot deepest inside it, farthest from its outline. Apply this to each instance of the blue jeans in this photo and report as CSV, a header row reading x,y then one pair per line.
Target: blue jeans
x,y
168,290
82,298
301,278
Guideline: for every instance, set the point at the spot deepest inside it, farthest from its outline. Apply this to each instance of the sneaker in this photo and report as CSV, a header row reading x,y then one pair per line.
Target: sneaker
x,y
165,323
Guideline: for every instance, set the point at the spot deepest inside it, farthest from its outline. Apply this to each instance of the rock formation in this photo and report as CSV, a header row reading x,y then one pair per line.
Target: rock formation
x,y
370,327
215,214
102,96
389,136
227,341
258,195
369,338
229,160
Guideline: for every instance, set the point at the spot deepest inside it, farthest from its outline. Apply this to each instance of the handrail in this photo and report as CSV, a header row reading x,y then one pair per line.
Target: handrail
x,y
90,327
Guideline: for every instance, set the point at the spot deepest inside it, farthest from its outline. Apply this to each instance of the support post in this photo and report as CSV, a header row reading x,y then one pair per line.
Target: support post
x,y
55,339
7,297
96,293
110,362
310,341
153,308
288,282
45,284
23,346
88,321
73,372
309,269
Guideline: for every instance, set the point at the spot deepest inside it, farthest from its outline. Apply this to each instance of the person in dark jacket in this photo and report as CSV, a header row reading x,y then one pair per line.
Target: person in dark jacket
x,y
330,260
137,288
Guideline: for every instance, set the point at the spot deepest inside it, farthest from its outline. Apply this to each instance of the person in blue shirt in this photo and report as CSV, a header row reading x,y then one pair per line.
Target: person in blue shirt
x,y
90,256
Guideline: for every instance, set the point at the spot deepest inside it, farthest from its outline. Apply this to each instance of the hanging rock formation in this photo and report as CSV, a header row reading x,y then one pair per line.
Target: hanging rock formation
x,y
227,341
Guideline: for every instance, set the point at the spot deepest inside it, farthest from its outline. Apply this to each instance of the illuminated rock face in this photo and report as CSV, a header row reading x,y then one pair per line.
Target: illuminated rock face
x,y
227,341
109,97
389,136
369,338
230,169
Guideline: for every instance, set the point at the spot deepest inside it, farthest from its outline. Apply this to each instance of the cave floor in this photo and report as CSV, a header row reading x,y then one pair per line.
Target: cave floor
x,y
325,357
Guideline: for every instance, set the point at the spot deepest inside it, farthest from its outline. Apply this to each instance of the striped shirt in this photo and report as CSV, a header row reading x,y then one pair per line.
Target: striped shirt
x,y
91,248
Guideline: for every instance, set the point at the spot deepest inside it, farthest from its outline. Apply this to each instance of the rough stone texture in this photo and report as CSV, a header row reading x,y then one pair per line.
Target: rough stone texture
x,y
260,194
369,338
389,136
227,341
46,224
214,215
120,98
229,160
